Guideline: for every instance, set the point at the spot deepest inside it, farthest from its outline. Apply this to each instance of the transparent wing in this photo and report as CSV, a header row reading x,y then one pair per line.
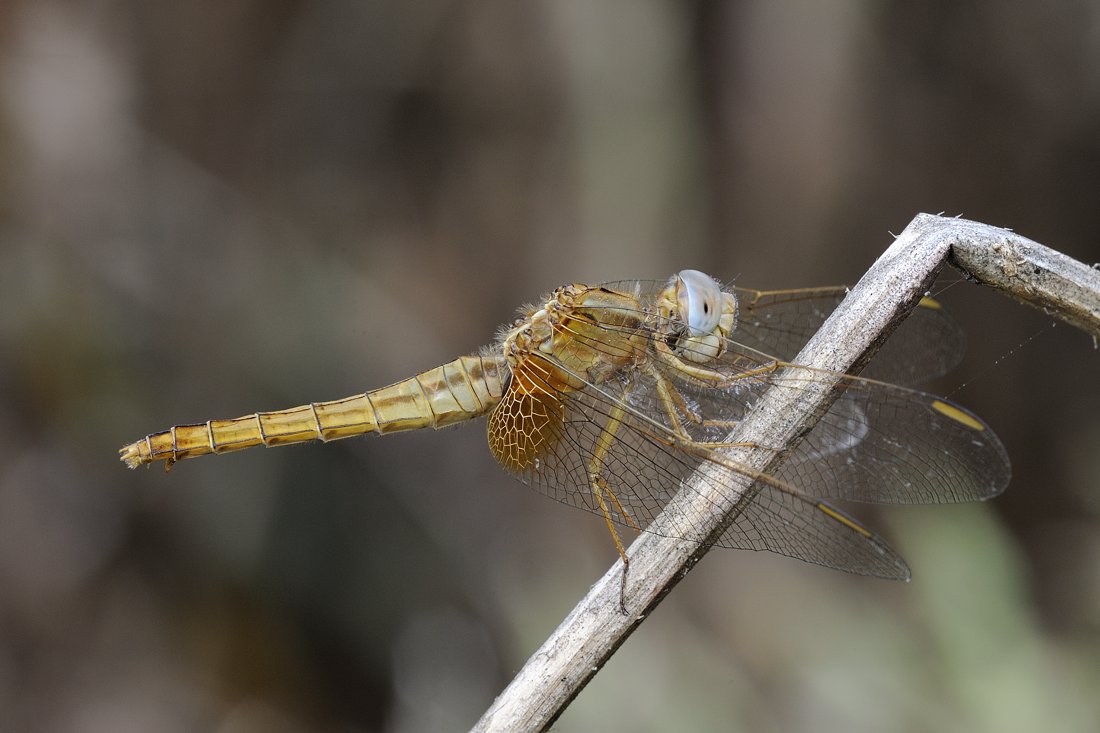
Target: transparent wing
x,y
928,344
642,474
877,443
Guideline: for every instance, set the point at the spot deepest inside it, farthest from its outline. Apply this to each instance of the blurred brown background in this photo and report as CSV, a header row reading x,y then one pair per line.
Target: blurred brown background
x,y
209,208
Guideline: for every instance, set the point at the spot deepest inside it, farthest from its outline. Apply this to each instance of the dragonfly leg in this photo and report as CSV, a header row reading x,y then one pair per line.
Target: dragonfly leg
x,y
727,424
599,486
674,404
601,489
712,376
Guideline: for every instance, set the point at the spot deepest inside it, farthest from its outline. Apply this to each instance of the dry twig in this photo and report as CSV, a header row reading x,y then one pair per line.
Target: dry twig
x,y
591,633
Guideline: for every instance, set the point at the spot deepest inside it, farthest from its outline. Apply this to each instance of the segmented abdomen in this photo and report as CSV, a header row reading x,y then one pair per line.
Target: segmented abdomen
x,y
460,390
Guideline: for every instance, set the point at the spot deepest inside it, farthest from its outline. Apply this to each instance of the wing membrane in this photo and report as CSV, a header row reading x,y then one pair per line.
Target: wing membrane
x,y
644,472
877,443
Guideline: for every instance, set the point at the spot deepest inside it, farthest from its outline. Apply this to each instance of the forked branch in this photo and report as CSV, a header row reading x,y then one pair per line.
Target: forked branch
x,y
595,628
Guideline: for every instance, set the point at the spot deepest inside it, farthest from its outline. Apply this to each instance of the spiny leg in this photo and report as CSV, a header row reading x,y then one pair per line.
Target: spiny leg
x,y
674,403
712,376
599,487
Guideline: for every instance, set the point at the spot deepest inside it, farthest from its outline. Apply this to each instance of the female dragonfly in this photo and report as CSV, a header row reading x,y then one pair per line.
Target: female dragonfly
x,y
607,397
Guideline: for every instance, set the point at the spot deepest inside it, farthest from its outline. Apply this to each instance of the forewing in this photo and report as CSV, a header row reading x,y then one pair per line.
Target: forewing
x,y
927,344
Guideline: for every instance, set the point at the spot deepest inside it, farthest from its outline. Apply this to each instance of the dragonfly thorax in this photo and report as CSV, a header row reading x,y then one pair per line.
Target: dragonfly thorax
x,y
580,332
580,335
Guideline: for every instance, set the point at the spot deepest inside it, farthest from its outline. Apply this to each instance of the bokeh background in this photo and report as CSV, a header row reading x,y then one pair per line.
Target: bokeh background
x,y
209,208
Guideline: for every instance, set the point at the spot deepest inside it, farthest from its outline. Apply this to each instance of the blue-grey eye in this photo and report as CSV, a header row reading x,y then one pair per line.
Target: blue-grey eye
x,y
699,298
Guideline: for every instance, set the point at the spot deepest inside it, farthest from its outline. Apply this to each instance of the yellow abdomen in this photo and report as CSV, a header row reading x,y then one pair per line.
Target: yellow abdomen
x,y
460,390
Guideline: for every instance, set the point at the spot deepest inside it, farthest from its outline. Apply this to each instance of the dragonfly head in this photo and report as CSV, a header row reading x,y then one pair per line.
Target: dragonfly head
x,y
698,313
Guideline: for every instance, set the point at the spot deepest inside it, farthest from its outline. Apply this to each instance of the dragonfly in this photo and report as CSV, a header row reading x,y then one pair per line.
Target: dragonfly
x,y
609,397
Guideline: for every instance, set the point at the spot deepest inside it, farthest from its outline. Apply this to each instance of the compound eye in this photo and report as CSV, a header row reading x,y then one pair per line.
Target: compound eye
x,y
699,298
